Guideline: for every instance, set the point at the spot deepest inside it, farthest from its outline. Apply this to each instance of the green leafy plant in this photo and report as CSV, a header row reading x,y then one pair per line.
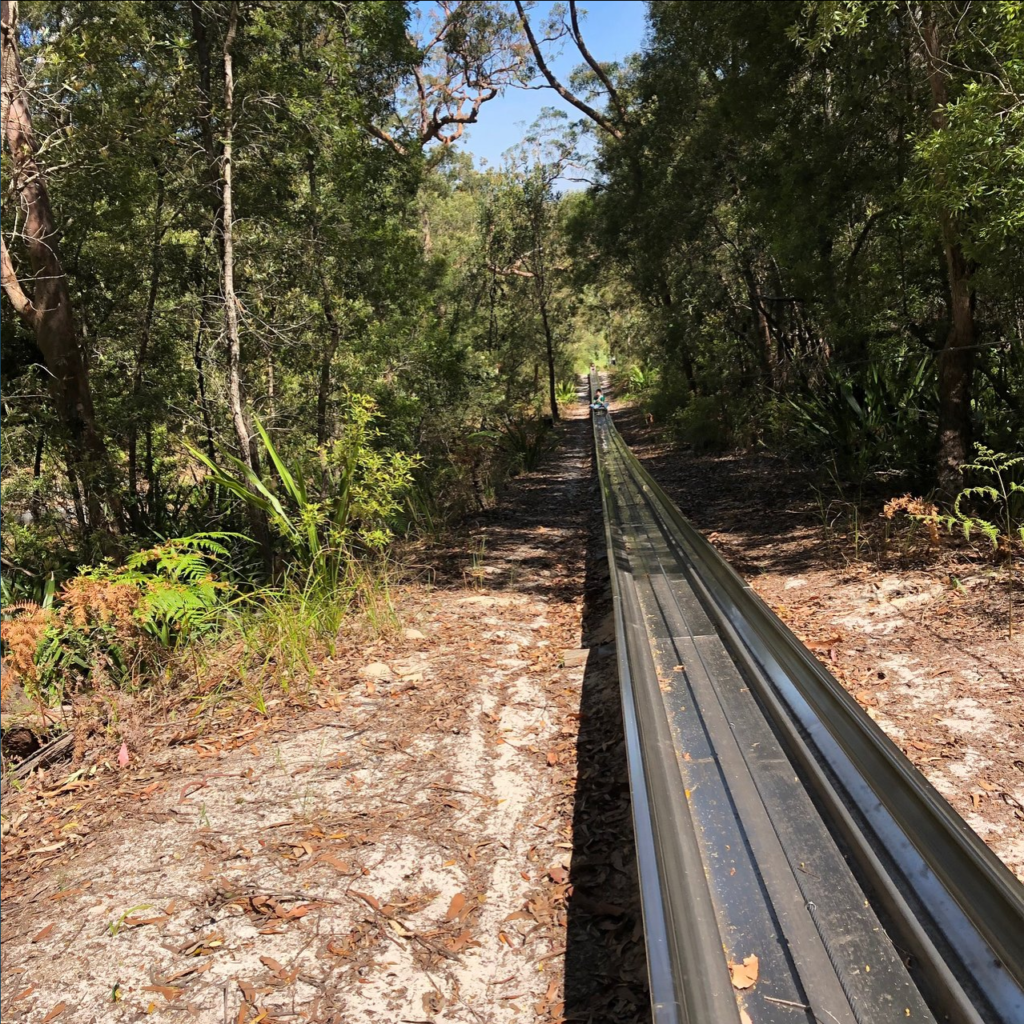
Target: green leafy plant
x,y
120,623
567,393
882,423
324,508
1004,495
179,595
640,381
521,441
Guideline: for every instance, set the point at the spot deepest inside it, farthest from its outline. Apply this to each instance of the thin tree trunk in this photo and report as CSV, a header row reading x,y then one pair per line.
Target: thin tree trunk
x,y
142,355
202,330
550,343
956,360
48,311
227,234
324,428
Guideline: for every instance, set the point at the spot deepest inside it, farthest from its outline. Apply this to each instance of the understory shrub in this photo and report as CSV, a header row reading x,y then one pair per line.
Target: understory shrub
x,y
329,506
118,625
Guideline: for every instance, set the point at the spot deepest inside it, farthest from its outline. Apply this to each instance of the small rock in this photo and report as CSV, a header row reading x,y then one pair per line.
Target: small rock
x,y
413,634
479,602
378,671
575,658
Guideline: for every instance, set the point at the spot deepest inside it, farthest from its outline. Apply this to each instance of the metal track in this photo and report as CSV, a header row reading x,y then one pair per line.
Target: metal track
x,y
773,817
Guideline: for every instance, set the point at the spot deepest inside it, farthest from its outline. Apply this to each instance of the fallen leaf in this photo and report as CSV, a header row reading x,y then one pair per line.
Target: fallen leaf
x,y
296,912
341,866
745,1017
68,893
24,994
272,965
558,875
55,1012
44,934
138,922
366,898
122,755
456,907
462,941
744,975
433,1002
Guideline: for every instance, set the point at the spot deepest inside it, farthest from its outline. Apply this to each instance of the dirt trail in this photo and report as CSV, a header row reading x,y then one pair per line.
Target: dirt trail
x,y
442,834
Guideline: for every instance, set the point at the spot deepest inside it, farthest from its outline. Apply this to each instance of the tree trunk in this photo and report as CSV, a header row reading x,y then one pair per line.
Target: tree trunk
x,y
202,330
550,343
324,428
231,332
956,360
48,312
142,356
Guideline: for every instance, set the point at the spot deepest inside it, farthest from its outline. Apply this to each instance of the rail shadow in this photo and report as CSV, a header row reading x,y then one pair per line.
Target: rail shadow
x,y
605,961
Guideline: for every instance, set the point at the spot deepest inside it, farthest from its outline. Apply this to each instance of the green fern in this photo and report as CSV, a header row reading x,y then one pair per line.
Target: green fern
x,y
1005,495
180,597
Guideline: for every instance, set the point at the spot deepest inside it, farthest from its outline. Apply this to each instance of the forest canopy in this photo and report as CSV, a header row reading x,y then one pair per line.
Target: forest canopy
x,y
255,288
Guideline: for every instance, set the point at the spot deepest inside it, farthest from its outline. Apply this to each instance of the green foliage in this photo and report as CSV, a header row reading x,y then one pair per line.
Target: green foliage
x,y
773,215
567,393
180,598
123,624
327,506
878,424
639,382
1003,494
521,441
701,423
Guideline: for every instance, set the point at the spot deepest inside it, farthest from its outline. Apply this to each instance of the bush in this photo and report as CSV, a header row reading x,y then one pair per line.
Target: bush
x,y
327,506
566,393
702,423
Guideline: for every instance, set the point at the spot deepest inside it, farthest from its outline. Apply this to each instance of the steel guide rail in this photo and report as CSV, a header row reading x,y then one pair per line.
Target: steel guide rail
x,y
773,818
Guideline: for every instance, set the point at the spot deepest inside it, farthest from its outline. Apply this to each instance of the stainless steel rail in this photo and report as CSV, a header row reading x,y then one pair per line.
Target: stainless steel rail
x,y
773,818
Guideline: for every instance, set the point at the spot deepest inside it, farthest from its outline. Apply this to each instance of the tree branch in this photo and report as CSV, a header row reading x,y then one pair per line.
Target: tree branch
x,y
379,133
513,271
12,288
595,115
613,93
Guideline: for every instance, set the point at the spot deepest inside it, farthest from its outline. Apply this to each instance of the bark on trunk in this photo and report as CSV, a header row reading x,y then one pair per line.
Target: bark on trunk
x,y
47,312
956,360
549,341
324,428
202,330
142,356
231,332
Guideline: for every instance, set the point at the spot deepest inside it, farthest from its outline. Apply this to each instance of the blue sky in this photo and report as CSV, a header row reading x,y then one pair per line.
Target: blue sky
x,y
612,29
